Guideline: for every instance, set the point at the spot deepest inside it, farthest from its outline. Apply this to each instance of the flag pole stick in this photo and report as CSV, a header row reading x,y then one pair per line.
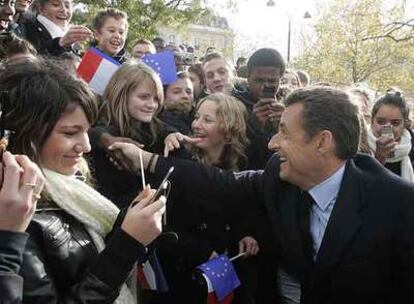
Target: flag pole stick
x,y
237,256
141,162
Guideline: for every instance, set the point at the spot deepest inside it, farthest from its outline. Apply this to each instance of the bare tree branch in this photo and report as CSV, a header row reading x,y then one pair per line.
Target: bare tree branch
x,y
393,27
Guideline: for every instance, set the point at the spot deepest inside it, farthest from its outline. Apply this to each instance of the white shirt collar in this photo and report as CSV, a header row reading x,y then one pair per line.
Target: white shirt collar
x,y
54,30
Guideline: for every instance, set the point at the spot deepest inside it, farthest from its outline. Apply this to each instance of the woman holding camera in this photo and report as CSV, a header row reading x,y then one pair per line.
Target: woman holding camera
x,y
389,137
73,254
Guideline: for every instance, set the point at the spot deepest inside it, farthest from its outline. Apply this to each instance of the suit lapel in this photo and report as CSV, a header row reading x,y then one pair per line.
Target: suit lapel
x,y
343,223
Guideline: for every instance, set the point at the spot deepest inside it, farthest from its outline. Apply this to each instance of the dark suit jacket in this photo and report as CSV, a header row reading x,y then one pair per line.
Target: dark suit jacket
x,y
367,253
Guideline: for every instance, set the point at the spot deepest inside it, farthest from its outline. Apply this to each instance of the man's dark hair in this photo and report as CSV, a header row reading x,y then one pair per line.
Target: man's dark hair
x,y
329,109
11,45
160,39
38,93
180,75
266,57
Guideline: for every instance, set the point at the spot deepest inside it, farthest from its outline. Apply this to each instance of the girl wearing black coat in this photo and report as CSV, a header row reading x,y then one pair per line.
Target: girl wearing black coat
x,y
205,228
132,99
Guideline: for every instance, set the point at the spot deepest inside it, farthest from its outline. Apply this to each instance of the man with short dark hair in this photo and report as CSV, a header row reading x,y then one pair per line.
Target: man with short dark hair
x,y
265,67
159,44
334,225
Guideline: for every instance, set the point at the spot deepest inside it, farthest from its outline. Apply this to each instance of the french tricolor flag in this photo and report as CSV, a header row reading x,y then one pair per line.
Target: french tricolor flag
x,y
151,276
97,68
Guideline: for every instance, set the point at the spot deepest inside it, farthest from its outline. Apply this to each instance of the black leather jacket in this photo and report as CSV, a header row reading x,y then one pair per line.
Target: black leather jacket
x,y
62,265
11,251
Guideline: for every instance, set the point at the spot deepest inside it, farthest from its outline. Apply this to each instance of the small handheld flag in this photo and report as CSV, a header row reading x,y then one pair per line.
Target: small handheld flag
x,y
220,272
97,68
151,276
163,64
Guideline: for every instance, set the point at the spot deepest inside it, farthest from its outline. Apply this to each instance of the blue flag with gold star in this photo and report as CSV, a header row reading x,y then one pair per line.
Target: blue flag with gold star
x,y
163,64
222,275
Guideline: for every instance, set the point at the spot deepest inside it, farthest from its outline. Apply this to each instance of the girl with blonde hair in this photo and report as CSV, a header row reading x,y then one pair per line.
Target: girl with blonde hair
x,y
131,101
219,133
219,139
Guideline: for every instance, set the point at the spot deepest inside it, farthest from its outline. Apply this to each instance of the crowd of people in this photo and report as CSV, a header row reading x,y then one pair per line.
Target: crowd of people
x,y
312,184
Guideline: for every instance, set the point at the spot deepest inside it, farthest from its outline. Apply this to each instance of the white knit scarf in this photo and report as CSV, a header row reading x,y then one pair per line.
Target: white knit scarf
x,y
92,209
401,153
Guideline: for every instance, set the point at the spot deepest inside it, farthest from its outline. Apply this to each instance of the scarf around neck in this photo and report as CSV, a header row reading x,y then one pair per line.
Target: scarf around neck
x,y
401,153
93,210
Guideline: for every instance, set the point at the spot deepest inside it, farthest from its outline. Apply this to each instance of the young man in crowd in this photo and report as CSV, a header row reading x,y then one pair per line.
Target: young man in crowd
x,y
142,47
265,67
110,28
159,44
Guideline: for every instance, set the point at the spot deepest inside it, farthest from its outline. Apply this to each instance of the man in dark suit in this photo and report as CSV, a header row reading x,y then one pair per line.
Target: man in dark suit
x,y
336,225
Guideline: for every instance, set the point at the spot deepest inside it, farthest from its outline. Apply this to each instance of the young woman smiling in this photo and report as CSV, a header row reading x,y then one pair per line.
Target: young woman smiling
x,y
74,253
49,30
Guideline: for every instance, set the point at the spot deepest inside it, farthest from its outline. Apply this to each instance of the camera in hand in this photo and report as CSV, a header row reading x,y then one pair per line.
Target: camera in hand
x,y
387,133
269,91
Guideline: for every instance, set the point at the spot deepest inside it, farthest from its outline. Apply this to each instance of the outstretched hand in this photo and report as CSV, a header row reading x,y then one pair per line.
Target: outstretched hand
x,y
130,153
116,156
76,33
174,141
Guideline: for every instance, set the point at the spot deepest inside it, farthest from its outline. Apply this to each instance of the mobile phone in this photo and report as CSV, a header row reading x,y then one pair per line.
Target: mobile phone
x,y
162,188
386,132
269,91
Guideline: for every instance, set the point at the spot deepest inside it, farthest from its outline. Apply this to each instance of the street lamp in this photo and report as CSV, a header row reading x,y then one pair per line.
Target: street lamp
x,y
307,15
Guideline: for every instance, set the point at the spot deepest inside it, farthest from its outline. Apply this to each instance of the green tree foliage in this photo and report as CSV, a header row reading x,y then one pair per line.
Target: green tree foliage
x,y
347,48
144,15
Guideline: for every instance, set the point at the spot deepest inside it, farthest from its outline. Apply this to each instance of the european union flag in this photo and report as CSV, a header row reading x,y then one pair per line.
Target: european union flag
x,y
222,275
163,64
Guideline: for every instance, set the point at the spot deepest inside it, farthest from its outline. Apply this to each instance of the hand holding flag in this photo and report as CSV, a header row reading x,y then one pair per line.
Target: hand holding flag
x,y
221,279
